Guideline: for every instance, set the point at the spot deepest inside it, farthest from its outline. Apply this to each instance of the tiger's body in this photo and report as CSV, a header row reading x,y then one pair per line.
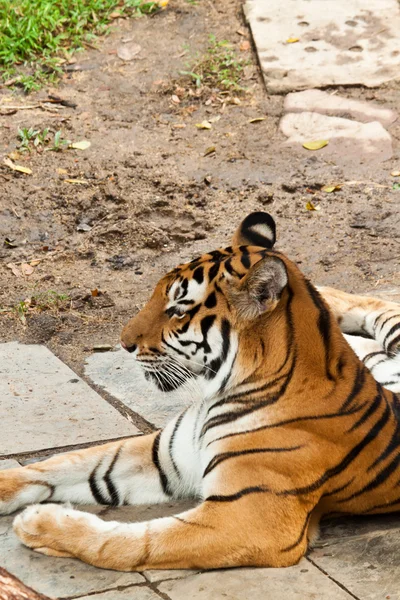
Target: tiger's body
x,y
290,425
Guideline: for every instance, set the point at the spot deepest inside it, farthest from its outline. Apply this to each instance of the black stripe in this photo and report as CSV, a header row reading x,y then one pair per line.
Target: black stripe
x,y
216,363
94,488
381,478
368,413
324,324
171,443
379,506
289,422
257,489
347,460
198,275
211,300
112,490
373,354
358,385
156,461
219,458
393,445
231,416
301,536
396,340
213,272
181,520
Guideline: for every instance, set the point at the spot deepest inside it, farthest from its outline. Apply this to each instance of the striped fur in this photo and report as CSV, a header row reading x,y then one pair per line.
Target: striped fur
x,y
290,424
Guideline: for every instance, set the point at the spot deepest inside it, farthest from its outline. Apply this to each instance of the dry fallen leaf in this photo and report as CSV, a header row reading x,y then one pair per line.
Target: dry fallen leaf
x,y
27,269
204,125
292,40
331,188
15,167
244,46
14,155
83,145
257,119
80,181
395,173
95,292
35,262
14,269
210,150
62,171
311,206
175,99
315,144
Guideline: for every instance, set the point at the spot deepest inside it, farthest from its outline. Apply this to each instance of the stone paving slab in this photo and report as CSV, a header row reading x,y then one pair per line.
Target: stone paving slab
x,y
365,558
301,582
136,593
338,106
44,404
8,464
117,374
57,577
340,42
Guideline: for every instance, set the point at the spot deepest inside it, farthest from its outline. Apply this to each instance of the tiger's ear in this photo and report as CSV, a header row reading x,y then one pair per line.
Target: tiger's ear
x,y
257,229
261,289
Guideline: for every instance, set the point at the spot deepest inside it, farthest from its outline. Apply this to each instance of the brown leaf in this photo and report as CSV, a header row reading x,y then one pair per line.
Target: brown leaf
x,y
244,46
94,292
27,269
14,269
15,167
210,150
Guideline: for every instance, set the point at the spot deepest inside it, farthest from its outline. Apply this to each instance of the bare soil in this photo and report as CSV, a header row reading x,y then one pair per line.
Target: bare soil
x,y
152,199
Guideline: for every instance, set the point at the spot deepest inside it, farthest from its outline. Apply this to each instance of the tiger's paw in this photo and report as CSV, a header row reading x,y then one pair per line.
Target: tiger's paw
x,y
49,529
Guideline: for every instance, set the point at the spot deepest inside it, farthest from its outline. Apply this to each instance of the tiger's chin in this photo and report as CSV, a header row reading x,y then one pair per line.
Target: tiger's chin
x,y
163,381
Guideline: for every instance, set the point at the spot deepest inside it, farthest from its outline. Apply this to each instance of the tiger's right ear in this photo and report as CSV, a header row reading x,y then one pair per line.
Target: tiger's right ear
x,y
257,229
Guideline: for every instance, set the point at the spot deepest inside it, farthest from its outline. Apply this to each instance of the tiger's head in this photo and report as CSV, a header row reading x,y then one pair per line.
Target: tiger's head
x,y
216,318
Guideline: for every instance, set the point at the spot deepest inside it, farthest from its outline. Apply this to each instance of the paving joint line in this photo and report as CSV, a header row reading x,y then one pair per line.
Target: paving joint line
x,y
60,449
136,419
343,587
121,588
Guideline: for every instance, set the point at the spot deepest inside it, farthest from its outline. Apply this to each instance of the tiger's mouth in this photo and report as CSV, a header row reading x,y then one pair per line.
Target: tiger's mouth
x,y
167,376
163,380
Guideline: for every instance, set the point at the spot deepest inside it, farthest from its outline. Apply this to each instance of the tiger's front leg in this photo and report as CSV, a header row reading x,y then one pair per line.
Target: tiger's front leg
x,y
250,528
123,472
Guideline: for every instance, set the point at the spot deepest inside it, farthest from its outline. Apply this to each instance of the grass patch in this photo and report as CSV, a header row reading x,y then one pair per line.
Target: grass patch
x,y
36,36
40,139
49,300
220,67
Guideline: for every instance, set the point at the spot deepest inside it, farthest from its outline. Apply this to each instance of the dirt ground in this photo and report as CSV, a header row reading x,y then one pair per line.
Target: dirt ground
x,y
152,199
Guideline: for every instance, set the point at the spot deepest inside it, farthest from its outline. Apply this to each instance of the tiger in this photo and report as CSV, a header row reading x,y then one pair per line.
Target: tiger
x,y
289,425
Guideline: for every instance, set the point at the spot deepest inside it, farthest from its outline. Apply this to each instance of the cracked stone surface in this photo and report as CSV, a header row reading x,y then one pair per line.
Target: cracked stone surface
x,y
63,409
116,373
338,106
349,141
340,42
136,593
53,576
363,554
295,583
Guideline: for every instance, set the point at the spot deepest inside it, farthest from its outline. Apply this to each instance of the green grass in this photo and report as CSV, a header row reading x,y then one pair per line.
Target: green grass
x,y
36,34
40,139
220,67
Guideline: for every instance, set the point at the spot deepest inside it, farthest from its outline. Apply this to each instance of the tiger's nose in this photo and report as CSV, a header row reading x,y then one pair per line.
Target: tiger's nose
x,y
128,348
